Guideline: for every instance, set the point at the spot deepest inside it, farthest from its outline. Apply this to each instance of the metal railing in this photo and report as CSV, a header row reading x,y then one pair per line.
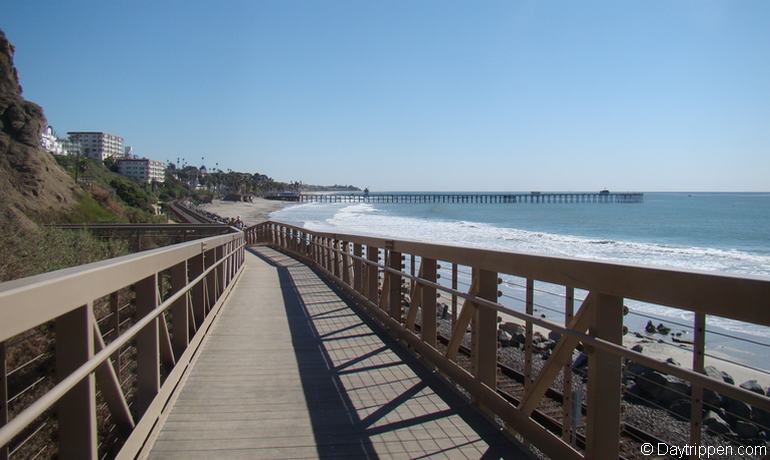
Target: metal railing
x,y
175,292
373,271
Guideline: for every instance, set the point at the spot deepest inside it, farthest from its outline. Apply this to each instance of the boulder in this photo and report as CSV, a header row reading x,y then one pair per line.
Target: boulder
x,y
555,336
650,328
753,385
681,407
673,362
662,389
637,348
512,328
580,362
663,329
715,373
746,430
735,408
504,337
716,424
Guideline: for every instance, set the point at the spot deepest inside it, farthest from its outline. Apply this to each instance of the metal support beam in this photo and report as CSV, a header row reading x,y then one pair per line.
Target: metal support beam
x,y
76,411
428,302
179,311
147,345
394,304
604,380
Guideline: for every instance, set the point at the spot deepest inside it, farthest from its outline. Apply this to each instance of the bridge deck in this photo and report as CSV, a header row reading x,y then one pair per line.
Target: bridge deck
x,y
289,370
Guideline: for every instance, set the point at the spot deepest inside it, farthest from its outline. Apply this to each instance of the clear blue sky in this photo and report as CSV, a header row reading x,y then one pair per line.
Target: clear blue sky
x,y
417,95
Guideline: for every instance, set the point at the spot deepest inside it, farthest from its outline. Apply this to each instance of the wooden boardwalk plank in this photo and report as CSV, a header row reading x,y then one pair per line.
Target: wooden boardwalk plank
x,y
289,370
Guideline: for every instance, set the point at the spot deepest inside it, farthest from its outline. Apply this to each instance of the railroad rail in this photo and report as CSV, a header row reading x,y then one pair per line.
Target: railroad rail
x,y
189,215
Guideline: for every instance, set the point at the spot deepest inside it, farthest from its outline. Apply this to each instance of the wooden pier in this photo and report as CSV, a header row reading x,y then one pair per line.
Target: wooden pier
x,y
475,198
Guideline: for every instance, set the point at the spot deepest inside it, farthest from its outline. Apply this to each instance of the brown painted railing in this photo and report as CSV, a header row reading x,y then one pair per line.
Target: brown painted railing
x,y
372,271
174,293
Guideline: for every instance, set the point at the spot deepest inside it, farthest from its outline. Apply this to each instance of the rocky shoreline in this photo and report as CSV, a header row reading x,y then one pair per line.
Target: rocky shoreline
x,y
654,402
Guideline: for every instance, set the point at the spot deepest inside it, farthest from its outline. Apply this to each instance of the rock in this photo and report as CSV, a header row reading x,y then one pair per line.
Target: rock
x,y
634,369
746,430
504,337
581,361
637,348
715,423
650,328
549,344
736,408
519,338
673,362
662,389
681,407
715,373
760,416
662,329
555,336
512,328
753,385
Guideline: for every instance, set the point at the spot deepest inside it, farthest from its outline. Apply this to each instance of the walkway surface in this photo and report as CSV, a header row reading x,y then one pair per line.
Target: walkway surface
x,y
289,370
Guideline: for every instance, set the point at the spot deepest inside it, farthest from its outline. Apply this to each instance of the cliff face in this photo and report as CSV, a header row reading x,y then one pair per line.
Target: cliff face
x,y
32,185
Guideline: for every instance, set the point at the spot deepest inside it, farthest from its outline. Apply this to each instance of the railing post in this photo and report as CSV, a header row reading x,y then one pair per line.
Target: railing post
x,y
696,402
372,273
569,310
329,254
358,283
604,380
454,296
76,411
211,298
428,302
530,310
115,309
147,345
485,331
3,395
180,310
346,263
219,279
394,294
336,257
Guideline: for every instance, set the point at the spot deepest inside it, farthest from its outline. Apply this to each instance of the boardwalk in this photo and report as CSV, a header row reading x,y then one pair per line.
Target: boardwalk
x,y
291,371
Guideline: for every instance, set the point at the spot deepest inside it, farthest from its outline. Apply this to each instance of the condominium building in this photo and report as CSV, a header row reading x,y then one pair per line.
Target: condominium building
x,y
98,145
142,169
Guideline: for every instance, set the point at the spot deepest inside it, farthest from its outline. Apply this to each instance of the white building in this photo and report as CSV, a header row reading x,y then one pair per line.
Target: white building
x,y
98,145
51,143
142,170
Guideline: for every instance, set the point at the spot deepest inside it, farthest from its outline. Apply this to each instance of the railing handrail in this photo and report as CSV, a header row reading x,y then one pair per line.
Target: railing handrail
x,y
726,295
37,408
27,301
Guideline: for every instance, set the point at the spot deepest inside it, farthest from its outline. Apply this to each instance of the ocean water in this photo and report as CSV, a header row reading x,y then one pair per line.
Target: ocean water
x,y
714,232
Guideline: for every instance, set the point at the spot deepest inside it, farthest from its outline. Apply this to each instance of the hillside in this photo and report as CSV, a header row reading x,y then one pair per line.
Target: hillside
x,y
32,186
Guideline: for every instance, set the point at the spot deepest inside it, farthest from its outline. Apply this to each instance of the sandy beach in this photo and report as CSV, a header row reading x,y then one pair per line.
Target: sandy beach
x,y
251,213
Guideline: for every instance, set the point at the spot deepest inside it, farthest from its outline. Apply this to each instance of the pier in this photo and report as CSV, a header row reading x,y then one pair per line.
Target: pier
x,y
474,198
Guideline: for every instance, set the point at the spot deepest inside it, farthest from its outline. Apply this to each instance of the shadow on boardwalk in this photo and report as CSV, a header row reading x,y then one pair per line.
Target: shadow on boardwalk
x,y
366,397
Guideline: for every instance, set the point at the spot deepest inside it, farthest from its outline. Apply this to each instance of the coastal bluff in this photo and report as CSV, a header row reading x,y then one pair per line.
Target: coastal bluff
x,y
32,185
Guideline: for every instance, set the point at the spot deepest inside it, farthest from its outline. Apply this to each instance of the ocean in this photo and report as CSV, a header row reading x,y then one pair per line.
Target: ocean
x,y
715,232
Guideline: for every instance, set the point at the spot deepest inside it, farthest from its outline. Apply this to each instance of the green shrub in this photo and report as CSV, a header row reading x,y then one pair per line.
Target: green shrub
x,y
27,253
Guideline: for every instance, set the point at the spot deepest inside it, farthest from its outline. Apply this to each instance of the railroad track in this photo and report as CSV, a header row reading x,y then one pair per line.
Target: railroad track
x,y
188,215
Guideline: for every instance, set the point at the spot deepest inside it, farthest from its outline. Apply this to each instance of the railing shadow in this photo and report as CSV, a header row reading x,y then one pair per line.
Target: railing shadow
x,y
343,423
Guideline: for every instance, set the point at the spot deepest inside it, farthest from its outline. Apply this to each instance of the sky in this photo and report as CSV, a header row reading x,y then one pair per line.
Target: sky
x,y
416,95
